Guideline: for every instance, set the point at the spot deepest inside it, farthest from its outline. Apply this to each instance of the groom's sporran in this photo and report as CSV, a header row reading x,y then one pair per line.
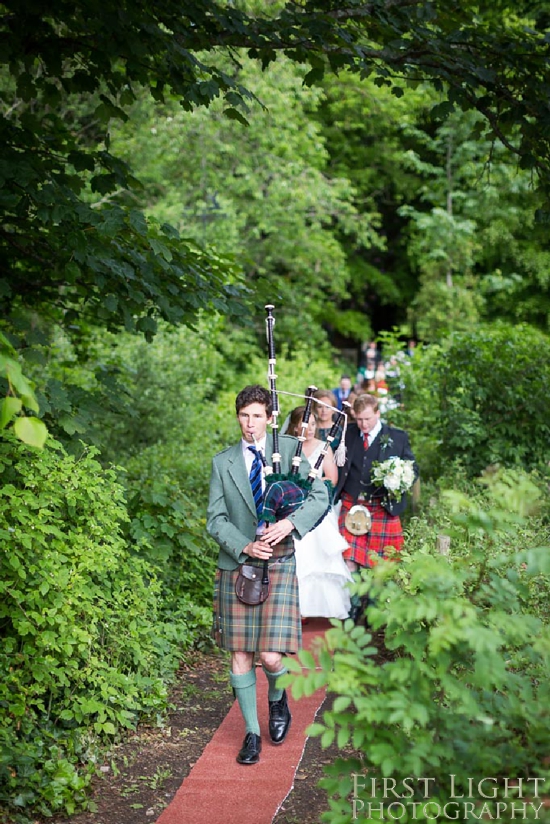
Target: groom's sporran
x,y
358,520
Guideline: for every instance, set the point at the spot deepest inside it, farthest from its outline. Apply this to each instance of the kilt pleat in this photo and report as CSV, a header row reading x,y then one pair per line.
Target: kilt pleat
x,y
385,531
275,625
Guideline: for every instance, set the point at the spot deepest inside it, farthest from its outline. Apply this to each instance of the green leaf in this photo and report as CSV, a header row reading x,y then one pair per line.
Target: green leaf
x,y
31,431
315,729
343,737
307,659
315,75
442,110
30,402
138,222
341,703
235,114
292,665
9,408
16,377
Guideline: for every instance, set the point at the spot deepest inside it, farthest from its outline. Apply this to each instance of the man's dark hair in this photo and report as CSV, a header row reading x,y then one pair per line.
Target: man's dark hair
x,y
254,394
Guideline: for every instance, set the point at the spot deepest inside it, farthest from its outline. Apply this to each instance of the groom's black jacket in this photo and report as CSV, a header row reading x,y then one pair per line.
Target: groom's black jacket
x,y
355,476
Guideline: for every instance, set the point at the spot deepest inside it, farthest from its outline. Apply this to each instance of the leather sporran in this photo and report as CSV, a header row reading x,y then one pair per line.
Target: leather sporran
x,y
252,585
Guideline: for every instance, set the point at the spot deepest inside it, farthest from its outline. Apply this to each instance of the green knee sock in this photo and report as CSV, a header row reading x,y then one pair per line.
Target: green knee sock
x,y
274,694
245,693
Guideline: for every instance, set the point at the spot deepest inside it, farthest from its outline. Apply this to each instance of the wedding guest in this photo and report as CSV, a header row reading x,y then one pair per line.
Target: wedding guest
x,y
341,393
325,416
320,566
411,346
349,410
381,389
368,386
368,440
380,382
370,358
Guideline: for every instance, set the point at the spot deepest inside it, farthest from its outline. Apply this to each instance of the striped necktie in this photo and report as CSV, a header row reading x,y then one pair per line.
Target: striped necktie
x,y
256,480
366,441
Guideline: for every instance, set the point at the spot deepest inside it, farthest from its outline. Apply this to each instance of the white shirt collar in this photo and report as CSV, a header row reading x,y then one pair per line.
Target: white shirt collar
x,y
374,431
259,444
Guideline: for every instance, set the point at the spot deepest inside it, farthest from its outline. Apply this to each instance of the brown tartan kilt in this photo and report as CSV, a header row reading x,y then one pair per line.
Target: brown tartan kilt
x,y
275,625
385,531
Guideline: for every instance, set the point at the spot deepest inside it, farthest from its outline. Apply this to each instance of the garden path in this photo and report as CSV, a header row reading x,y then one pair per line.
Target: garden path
x,y
220,791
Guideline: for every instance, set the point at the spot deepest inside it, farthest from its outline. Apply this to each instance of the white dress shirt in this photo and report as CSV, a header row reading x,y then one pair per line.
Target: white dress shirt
x,y
249,455
370,435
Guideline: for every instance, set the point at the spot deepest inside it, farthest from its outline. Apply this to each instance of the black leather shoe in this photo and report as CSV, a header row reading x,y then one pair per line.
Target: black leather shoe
x,y
251,749
355,613
279,719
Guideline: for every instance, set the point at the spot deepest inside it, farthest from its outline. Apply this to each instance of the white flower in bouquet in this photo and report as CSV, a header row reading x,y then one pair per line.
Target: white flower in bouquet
x,y
392,481
395,475
408,473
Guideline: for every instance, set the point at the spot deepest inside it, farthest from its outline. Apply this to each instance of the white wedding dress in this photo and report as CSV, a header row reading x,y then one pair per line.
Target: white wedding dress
x,y
321,570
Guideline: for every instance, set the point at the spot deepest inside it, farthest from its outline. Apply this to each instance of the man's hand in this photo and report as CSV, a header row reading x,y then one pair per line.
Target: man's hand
x,y
258,549
277,532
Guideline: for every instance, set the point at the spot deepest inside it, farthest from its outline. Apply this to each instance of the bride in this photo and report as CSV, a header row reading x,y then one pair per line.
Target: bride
x,y
321,570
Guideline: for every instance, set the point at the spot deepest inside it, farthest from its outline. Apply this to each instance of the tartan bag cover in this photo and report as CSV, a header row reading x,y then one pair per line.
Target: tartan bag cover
x,y
281,498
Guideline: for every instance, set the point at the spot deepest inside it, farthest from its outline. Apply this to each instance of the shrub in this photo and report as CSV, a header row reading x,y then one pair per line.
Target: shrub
x,y
169,528
83,653
464,690
480,398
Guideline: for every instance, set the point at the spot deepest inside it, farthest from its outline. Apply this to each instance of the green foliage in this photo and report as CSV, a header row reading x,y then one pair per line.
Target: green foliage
x,y
463,691
168,526
19,393
84,648
365,128
462,234
260,194
480,398
77,376
440,309
73,242
72,247
452,247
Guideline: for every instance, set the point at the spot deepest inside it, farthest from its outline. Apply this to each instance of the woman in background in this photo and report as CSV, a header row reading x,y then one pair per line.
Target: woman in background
x,y
320,567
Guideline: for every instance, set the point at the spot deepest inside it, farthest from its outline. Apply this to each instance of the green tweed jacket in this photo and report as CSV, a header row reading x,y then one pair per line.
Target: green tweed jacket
x,y
231,515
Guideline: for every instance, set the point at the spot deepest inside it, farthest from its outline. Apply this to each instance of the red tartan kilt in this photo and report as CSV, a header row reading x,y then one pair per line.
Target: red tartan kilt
x,y
385,531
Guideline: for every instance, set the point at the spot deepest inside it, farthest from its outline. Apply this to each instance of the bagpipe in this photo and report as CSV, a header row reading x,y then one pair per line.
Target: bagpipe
x,y
284,493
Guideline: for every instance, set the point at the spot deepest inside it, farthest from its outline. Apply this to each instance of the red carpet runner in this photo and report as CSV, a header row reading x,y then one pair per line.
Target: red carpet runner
x,y
220,791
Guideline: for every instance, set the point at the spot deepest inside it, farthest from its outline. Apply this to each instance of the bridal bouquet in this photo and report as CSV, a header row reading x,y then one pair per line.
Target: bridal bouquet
x,y
395,475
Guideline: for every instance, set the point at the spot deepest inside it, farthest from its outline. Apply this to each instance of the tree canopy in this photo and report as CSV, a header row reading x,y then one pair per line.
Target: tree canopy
x,y
79,247
68,239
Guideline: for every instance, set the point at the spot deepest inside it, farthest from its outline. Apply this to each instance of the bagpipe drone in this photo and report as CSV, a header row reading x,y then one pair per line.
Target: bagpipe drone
x,y
284,493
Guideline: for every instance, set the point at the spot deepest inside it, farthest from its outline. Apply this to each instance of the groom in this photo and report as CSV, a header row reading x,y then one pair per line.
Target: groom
x,y
271,629
369,440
